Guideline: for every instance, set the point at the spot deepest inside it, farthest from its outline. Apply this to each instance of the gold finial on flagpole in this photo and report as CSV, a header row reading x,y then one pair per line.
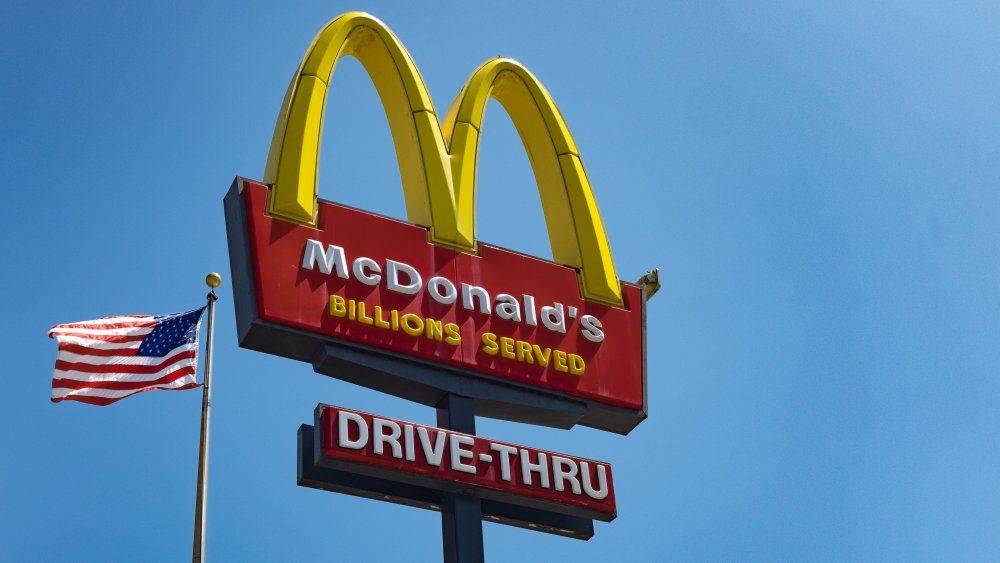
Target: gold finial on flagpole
x,y
213,280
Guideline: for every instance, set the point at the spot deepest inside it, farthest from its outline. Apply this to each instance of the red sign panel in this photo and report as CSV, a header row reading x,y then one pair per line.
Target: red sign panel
x,y
375,281
440,455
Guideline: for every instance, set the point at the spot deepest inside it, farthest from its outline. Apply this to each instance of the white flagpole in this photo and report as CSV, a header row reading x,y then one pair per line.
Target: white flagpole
x,y
198,553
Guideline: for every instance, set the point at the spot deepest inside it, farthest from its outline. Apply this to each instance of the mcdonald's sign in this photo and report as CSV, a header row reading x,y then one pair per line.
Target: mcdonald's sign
x,y
420,308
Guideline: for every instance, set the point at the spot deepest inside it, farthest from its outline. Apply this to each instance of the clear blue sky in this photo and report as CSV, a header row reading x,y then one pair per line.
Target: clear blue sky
x,y
819,182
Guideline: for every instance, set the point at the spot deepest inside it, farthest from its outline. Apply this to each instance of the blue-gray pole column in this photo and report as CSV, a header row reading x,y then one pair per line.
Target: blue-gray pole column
x,y
461,513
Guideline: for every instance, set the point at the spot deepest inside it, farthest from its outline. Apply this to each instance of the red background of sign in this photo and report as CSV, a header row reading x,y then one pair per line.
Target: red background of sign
x,y
487,474
290,295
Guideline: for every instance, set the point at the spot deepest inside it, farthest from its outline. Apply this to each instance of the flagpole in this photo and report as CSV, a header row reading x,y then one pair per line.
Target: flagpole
x,y
213,281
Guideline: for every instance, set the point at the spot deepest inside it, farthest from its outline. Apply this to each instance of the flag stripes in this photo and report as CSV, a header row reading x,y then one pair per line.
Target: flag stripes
x,y
127,364
123,384
104,397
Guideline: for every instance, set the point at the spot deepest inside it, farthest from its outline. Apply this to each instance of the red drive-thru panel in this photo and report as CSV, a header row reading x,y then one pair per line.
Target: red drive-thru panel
x,y
366,443
371,280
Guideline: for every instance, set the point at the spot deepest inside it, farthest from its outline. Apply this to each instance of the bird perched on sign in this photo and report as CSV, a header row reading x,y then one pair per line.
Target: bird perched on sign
x,y
650,282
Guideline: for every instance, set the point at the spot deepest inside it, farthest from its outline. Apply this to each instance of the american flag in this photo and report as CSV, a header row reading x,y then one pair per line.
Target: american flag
x,y
104,360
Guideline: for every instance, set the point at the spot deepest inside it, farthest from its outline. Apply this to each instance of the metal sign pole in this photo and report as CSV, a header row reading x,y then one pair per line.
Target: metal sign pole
x,y
461,514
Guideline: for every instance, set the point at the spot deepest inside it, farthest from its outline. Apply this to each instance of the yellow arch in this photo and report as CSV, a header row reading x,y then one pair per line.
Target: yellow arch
x,y
439,179
293,161
576,232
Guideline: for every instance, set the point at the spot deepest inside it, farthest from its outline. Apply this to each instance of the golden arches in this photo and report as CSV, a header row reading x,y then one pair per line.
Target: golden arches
x,y
439,179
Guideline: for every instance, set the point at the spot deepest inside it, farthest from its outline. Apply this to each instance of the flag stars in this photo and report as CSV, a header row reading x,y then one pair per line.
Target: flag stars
x,y
170,332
